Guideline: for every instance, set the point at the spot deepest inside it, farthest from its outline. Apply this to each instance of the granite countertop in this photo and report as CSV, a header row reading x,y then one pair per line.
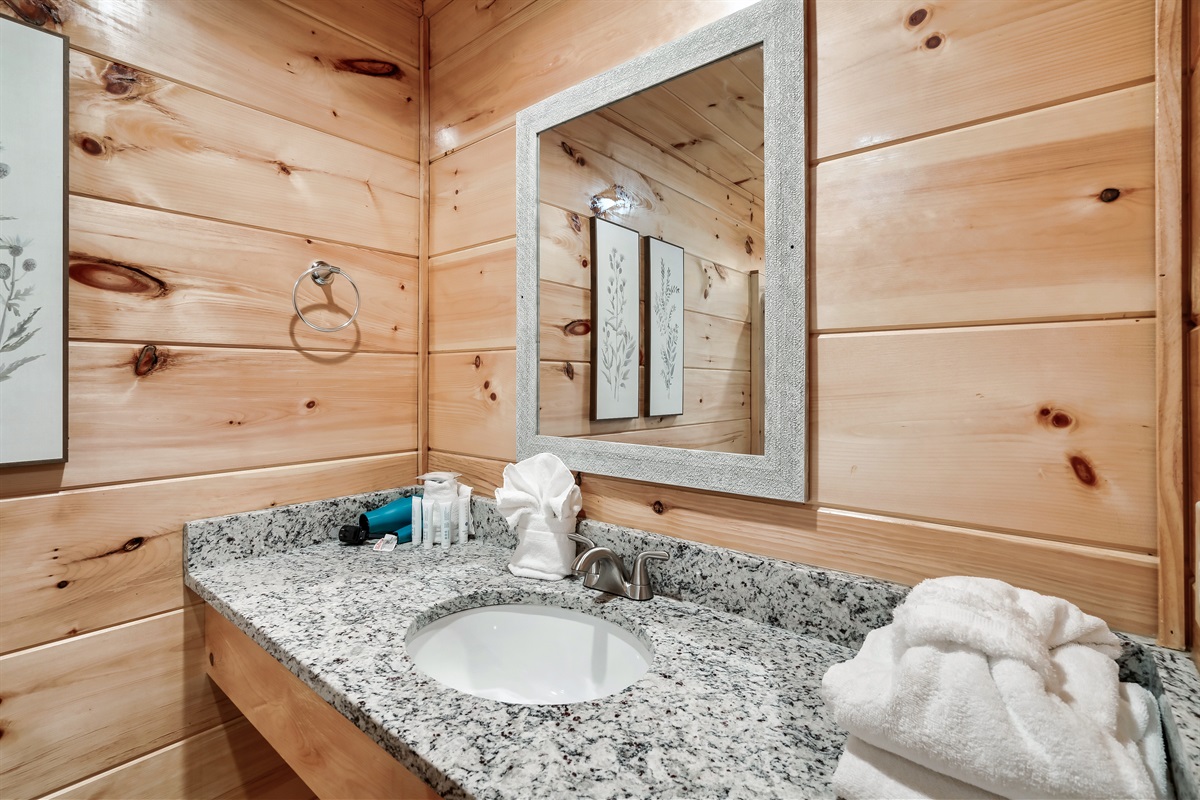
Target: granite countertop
x,y
729,707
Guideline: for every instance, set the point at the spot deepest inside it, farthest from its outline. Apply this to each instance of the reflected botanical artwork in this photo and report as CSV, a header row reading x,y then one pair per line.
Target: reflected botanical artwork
x,y
664,328
32,245
615,339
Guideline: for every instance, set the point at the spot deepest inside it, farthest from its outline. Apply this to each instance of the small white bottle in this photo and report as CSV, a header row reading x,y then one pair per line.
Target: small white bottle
x,y
446,530
418,528
427,512
464,513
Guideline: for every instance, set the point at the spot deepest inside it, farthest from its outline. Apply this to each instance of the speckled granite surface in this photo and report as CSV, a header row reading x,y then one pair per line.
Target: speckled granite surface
x,y
728,709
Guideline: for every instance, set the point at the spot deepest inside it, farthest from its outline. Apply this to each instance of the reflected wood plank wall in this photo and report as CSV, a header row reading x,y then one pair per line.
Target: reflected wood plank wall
x,y
719,226
985,320
216,149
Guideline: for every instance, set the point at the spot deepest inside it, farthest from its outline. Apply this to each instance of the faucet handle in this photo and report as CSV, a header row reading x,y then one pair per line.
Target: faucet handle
x,y
590,545
641,576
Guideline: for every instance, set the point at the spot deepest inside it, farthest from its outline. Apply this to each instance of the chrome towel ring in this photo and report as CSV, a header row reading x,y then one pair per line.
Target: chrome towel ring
x,y
322,274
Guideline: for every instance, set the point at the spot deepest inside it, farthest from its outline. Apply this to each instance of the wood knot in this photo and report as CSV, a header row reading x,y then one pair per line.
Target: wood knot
x,y
147,361
576,224
917,17
570,151
89,144
478,362
1050,417
37,12
934,42
487,384
568,369
1110,194
372,67
212,662
133,544
113,276
578,327
311,404
63,584
492,396
749,245
118,78
658,507
1083,470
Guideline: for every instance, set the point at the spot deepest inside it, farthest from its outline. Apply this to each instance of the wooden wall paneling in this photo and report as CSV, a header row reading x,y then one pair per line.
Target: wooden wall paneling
x,y
472,403
328,751
78,561
911,73
473,298
478,91
580,180
423,245
1171,363
710,395
432,7
165,145
669,119
149,411
471,195
564,332
1119,586
303,70
758,363
1192,253
231,762
143,274
391,26
565,249
485,475
922,233
1046,429
461,22
728,100
78,707
614,137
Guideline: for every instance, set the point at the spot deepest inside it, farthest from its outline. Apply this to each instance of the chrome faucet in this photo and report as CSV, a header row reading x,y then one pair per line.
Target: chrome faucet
x,y
606,572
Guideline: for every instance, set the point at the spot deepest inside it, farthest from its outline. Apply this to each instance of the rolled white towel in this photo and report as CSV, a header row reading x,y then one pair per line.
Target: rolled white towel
x,y
960,685
865,772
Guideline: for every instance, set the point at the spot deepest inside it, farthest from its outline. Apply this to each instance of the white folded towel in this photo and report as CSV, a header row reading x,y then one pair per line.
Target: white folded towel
x,y
864,772
999,688
540,500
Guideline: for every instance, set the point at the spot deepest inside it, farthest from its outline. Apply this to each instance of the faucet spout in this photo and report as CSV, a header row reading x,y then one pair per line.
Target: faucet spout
x,y
605,571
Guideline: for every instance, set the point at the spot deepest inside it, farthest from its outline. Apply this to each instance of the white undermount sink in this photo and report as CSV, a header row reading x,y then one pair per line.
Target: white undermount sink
x,y
529,654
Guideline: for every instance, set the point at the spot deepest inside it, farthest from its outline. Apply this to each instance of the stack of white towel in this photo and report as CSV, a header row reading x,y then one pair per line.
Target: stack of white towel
x,y
978,689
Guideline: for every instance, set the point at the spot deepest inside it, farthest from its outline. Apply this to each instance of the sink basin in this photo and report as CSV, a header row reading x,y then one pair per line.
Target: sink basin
x,y
528,654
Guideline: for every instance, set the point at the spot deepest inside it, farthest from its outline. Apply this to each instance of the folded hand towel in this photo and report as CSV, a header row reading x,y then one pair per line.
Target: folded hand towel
x,y
865,772
996,687
540,500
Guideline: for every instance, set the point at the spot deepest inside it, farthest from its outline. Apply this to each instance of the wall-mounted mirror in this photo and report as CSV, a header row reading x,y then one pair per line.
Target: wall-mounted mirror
x,y
661,263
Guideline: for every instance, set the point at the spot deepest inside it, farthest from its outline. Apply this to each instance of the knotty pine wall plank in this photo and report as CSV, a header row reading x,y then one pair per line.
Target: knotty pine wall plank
x,y
892,69
926,232
149,411
81,706
141,139
391,26
461,22
262,54
144,274
81,561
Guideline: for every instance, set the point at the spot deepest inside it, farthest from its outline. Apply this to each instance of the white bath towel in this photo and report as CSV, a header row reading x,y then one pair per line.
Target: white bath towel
x,y
999,688
540,500
865,772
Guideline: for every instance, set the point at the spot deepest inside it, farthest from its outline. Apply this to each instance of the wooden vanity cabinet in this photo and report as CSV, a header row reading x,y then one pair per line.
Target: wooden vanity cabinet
x,y
326,750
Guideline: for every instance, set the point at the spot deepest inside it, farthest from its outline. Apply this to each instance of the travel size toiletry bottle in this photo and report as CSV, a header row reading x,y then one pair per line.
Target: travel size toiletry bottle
x,y
444,534
464,513
427,509
418,522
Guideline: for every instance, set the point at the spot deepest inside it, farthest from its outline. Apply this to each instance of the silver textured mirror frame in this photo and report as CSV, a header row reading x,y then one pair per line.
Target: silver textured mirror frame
x,y
781,471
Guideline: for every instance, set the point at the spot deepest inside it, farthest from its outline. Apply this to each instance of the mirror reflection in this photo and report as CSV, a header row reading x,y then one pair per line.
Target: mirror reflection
x,y
650,265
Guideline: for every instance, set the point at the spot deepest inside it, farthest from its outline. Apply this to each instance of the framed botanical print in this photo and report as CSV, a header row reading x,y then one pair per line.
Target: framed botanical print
x,y
664,328
616,345
33,245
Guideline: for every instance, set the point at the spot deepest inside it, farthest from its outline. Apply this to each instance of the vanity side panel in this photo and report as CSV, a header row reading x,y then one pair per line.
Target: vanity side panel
x,y
861,135
217,149
328,751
